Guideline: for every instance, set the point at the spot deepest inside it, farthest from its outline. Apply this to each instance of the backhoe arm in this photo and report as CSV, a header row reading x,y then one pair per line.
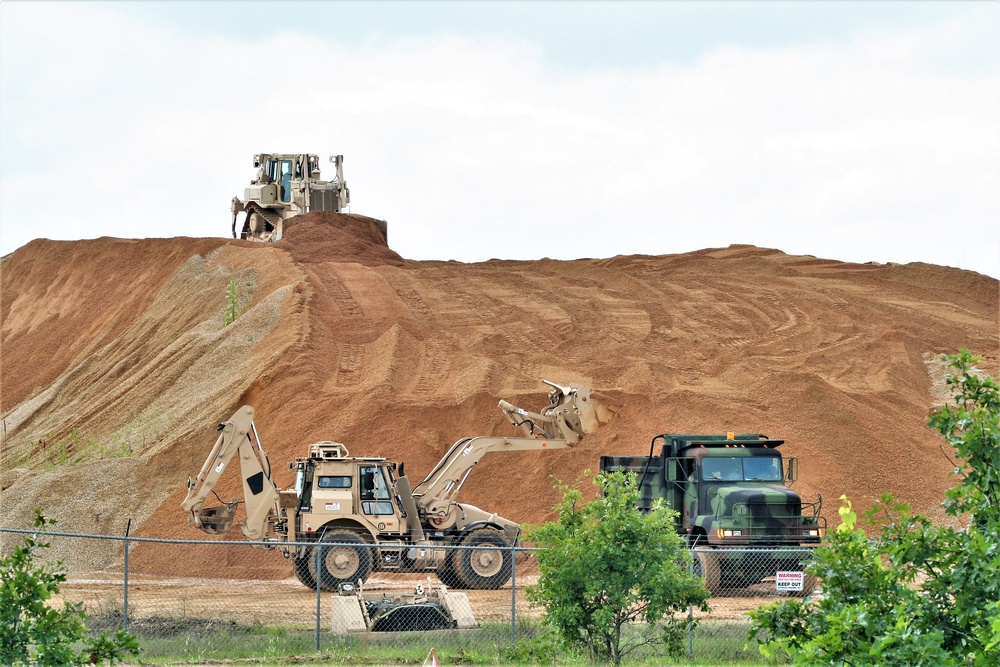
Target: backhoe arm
x,y
259,492
572,413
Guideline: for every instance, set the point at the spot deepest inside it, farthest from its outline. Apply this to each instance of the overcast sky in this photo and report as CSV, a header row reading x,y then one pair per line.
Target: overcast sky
x,y
864,132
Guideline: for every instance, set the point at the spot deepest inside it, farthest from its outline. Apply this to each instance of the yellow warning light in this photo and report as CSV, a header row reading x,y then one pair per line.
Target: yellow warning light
x,y
730,436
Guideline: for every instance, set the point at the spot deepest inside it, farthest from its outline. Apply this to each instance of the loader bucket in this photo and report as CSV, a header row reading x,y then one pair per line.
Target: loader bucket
x,y
215,520
598,411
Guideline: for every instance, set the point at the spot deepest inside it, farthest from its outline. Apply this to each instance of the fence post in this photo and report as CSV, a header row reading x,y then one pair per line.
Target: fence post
x,y
319,585
513,595
128,528
690,651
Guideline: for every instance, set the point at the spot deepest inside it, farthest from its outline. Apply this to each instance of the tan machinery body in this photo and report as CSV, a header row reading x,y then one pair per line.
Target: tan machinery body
x,y
362,514
286,185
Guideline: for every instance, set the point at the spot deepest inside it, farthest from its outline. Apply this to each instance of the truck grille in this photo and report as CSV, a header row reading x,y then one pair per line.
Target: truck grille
x,y
762,517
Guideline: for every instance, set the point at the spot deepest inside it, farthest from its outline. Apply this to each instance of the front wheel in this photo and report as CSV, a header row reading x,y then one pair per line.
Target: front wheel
x,y
484,563
706,566
344,558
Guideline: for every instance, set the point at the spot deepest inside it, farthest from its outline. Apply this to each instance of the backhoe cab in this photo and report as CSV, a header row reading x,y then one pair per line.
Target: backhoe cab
x,y
363,514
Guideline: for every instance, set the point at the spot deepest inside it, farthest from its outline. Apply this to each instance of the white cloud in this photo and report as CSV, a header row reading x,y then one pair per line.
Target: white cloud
x,y
481,148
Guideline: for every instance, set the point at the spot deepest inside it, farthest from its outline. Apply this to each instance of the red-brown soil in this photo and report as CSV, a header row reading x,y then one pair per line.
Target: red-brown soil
x,y
116,367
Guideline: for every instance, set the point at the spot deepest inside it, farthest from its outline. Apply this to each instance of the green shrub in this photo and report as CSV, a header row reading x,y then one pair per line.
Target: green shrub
x,y
33,632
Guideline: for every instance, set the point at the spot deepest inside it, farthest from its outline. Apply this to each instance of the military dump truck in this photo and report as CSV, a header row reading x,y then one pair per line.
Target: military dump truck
x,y
364,514
287,185
732,503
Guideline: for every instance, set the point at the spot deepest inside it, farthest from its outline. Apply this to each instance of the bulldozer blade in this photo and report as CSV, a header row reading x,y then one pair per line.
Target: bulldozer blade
x,y
215,520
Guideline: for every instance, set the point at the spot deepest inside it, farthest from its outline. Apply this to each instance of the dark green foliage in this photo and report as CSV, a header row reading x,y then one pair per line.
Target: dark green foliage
x,y
33,632
613,579
914,593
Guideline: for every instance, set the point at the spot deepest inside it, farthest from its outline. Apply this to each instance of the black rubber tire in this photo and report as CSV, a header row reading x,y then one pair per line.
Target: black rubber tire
x,y
447,572
348,562
809,584
706,566
301,568
483,569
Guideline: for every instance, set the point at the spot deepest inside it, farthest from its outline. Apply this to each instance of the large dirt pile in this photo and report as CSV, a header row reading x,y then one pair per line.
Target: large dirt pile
x,y
116,367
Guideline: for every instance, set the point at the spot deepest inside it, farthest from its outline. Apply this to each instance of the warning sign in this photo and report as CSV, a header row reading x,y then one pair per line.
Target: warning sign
x,y
789,581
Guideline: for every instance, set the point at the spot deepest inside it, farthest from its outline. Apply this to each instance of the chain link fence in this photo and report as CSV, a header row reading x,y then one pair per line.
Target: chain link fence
x,y
392,615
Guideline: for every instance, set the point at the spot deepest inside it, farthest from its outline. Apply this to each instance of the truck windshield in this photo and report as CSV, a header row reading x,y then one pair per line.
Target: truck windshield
x,y
738,469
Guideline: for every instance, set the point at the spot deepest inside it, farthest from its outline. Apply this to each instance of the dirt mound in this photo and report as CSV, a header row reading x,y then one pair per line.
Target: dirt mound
x,y
322,236
116,367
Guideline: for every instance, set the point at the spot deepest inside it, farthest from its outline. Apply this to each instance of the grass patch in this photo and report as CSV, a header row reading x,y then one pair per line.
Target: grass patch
x,y
196,641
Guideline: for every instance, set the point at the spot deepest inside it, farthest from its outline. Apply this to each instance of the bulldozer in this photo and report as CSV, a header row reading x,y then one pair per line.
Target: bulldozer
x,y
287,185
362,514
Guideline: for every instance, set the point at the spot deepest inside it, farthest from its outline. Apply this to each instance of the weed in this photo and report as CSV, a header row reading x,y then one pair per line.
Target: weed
x,y
232,303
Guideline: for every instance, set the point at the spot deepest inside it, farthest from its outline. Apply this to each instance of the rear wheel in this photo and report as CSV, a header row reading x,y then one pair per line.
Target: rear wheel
x,y
485,563
447,572
809,583
344,558
301,567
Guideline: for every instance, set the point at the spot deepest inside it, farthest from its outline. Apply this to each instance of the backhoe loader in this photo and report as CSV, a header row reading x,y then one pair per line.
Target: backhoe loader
x,y
362,512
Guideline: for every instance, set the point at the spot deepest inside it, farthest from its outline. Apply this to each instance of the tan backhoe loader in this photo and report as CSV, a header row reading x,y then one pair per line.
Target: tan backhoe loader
x,y
364,513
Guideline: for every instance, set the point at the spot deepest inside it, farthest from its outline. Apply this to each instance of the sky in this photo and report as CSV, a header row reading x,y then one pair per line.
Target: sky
x,y
853,131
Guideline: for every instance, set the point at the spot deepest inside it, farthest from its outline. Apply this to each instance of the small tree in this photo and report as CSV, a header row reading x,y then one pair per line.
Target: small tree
x,y
914,593
606,566
34,632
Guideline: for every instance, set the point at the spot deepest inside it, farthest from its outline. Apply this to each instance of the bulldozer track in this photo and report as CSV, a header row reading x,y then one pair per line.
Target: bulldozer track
x,y
273,217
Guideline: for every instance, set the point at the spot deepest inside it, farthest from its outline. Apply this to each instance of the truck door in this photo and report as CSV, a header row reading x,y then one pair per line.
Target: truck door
x,y
374,491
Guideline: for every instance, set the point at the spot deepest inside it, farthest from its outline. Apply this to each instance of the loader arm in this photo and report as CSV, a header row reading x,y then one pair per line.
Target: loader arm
x,y
259,492
572,413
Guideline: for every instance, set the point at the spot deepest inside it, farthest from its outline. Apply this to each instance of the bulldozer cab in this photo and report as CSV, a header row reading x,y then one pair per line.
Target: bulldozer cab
x,y
282,169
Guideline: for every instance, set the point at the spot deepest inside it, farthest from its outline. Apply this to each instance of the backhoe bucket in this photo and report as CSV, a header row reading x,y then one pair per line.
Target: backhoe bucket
x,y
215,520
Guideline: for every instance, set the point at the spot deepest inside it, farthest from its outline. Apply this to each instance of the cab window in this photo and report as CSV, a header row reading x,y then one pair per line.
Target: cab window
x,y
334,482
762,469
729,469
374,491
285,180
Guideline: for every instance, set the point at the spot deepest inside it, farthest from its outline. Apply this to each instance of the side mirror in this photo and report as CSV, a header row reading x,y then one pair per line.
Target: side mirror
x,y
790,471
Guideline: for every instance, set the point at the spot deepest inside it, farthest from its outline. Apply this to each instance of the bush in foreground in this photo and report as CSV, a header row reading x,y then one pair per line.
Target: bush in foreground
x,y
613,579
33,632
914,593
